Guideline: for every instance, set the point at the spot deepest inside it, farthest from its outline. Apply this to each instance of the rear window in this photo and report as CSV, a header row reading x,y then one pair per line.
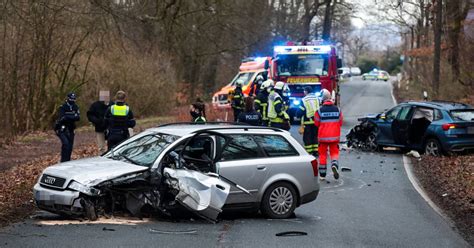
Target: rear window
x,y
463,115
276,146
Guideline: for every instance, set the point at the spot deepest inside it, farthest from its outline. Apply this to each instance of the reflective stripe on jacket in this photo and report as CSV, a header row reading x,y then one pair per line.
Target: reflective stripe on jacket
x,y
328,119
276,113
309,107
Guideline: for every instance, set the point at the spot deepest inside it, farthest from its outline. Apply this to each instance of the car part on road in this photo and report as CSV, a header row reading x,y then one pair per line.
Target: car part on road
x,y
291,234
192,231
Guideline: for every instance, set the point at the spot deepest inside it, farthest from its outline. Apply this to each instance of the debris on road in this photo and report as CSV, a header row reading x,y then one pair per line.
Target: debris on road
x,y
414,154
192,231
291,233
108,229
346,169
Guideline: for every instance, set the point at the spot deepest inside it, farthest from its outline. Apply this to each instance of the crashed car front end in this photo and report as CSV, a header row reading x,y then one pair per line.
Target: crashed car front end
x,y
119,182
364,135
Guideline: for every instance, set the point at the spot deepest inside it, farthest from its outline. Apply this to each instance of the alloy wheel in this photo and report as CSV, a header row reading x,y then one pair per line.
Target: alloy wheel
x,y
281,200
432,148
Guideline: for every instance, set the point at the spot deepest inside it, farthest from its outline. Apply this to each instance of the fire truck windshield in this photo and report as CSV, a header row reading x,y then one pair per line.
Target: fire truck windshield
x,y
302,65
244,76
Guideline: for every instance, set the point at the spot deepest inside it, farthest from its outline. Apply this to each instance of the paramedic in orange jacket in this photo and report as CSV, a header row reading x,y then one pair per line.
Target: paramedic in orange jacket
x,y
328,119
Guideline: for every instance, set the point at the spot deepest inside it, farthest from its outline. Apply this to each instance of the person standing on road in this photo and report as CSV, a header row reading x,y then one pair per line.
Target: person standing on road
x,y
250,115
328,119
261,103
237,99
118,119
65,125
96,116
277,115
310,104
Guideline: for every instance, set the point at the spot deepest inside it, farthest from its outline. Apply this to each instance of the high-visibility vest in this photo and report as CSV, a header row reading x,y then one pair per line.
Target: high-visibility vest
x,y
274,99
311,104
119,110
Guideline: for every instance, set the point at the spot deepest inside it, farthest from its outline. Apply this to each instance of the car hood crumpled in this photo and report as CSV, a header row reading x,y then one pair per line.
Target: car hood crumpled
x,y
91,171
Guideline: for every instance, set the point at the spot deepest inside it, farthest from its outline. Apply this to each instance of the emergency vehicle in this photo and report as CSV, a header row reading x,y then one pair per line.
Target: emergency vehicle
x,y
249,70
299,65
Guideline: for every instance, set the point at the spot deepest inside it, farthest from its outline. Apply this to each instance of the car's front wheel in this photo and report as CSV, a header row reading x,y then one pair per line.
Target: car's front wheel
x,y
279,201
433,147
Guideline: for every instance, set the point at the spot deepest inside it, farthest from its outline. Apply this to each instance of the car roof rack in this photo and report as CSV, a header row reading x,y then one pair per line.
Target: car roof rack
x,y
449,102
205,123
245,127
239,124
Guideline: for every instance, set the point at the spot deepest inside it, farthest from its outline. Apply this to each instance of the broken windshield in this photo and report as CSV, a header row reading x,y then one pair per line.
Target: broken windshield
x,y
144,150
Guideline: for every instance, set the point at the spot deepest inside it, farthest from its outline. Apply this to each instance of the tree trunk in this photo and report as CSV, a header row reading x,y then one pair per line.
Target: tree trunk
x,y
437,46
327,21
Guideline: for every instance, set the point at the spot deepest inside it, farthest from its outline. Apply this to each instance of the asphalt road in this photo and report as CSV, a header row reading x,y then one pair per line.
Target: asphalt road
x,y
374,205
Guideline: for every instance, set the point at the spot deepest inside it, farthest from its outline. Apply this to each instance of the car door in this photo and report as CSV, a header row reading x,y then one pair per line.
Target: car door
x,y
384,124
192,174
242,161
401,126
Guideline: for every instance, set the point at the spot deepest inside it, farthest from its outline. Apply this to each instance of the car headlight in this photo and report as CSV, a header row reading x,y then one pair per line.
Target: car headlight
x,y
83,189
296,102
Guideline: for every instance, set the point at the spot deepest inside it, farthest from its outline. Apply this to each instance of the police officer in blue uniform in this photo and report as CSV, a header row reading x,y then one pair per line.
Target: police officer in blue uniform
x,y
65,125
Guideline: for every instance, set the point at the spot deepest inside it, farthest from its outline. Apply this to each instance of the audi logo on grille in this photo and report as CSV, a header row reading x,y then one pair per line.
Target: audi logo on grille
x,y
49,180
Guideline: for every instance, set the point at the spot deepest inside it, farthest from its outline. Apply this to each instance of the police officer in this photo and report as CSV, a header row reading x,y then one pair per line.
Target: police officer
x,y
96,116
261,102
328,119
250,116
65,125
118,119
310,104
277,115
237,99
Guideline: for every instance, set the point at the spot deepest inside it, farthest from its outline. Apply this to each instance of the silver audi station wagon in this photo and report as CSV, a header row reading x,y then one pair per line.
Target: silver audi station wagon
x,y
200,168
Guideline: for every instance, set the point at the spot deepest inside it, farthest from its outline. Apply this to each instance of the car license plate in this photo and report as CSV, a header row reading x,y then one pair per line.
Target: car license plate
x,y
470,130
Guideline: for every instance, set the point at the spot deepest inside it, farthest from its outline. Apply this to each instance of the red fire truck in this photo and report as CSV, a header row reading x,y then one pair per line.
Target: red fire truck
x,y
299,65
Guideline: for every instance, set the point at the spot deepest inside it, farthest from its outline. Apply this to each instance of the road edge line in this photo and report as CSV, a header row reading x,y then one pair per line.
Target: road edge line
x,y
416,184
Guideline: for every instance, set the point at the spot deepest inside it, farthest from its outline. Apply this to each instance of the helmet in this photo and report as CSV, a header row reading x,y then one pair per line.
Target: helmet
x,y
266,84
71,96
239,83
325,94
279,85
259,78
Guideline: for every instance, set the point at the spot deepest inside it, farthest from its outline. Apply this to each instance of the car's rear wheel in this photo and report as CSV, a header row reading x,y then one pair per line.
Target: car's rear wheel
x,y
433,147
279,201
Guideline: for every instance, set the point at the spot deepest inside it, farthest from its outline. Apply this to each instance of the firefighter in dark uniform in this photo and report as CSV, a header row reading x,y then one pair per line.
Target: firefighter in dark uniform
x,y
261,103
237,99
250,115
65,125
310,105
118,119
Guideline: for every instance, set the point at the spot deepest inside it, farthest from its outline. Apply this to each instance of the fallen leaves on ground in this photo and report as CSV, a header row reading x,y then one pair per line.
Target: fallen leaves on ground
x,y
450,183
16,184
